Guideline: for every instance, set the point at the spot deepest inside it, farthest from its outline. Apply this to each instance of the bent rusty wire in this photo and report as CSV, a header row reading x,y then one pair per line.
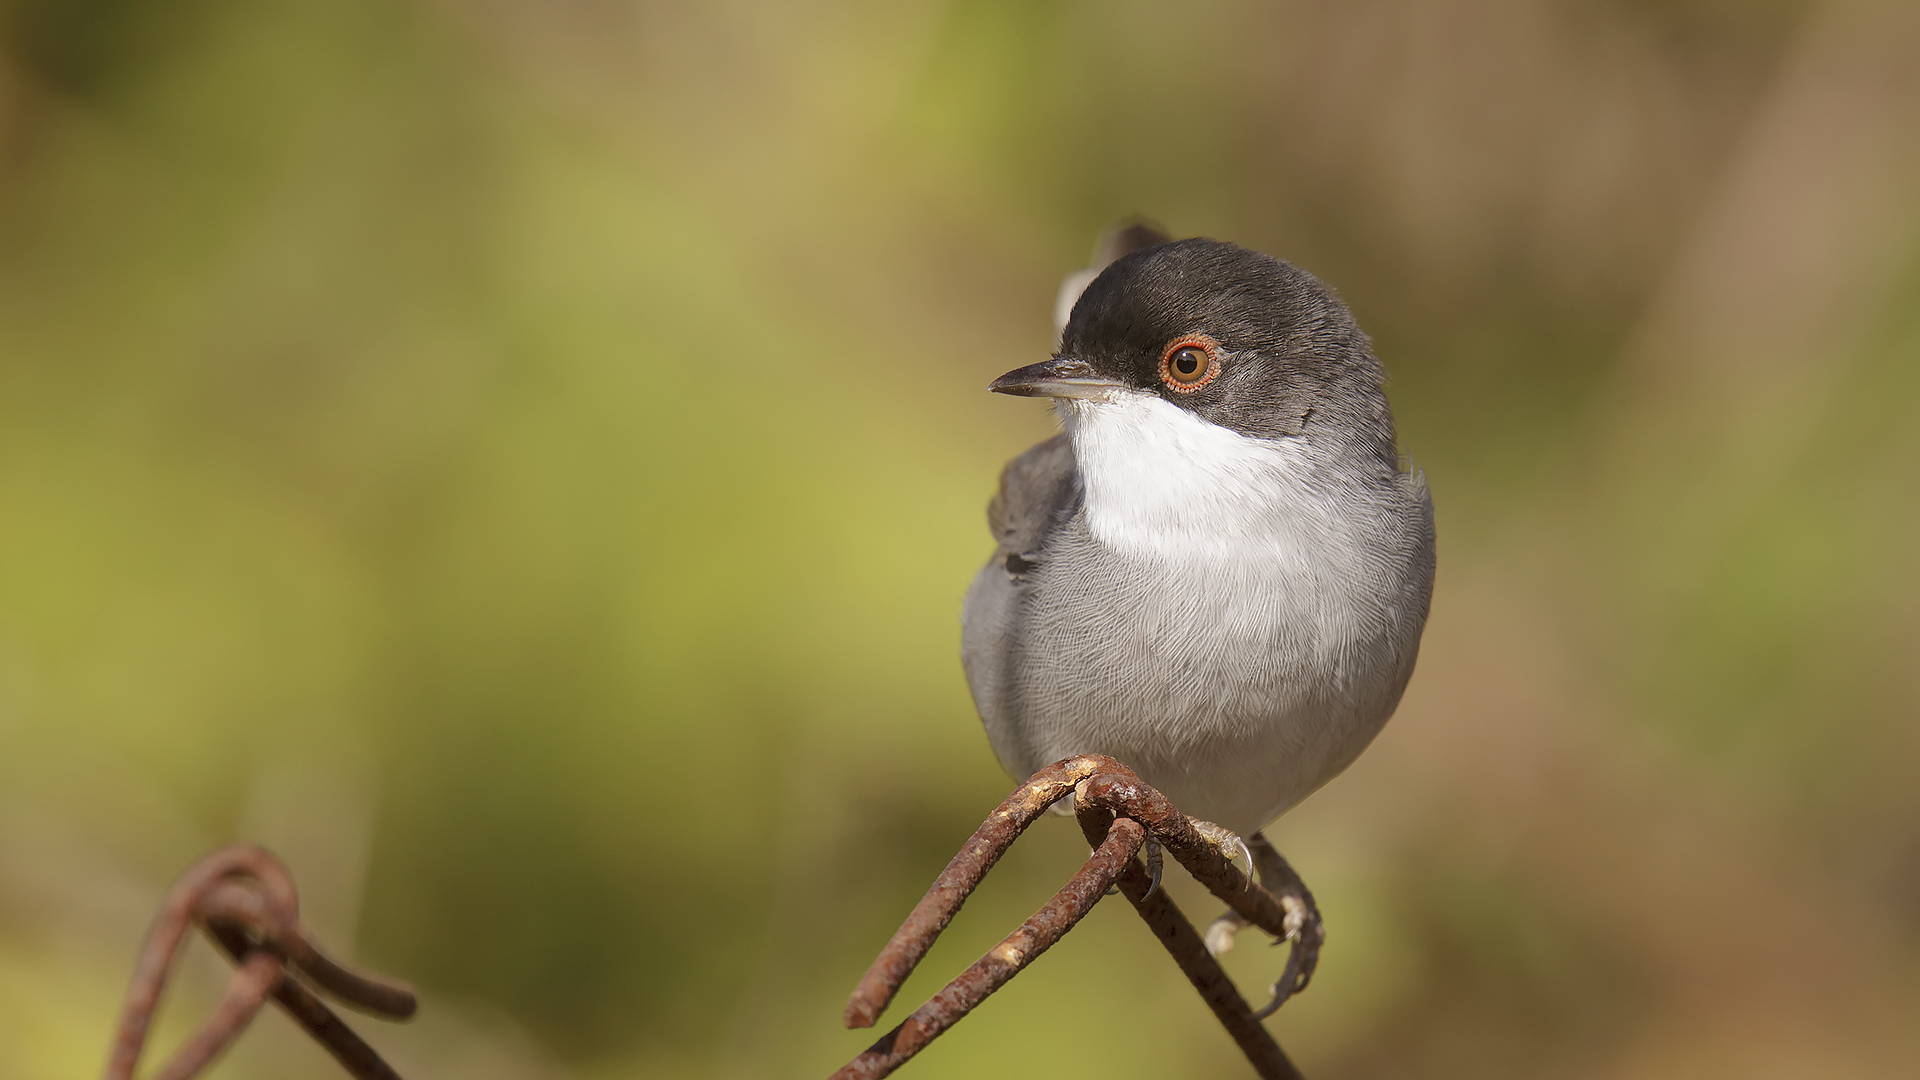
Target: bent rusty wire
x,y
245,900
1118,812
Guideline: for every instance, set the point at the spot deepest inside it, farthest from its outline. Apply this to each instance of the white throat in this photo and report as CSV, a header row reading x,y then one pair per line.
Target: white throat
x,y
1161,481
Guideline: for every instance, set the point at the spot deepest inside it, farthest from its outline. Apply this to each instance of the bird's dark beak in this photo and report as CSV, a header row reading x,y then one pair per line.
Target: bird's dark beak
x,y
1060,377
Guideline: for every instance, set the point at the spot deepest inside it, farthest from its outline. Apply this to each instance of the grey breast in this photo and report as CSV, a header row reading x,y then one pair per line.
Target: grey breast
x,y
1069,649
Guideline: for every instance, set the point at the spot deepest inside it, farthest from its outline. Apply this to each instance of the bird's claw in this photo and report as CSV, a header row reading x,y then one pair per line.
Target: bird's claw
x,y
1297,914
1227,842
1304,931
1300,920
1293,980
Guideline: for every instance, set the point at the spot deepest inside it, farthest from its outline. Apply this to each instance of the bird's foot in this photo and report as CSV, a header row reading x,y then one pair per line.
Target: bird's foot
x,y
1300,916
1302,924
1222,931
1154,864
1227,843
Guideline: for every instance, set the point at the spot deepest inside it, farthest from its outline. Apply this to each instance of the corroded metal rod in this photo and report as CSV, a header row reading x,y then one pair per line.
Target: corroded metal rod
x,y
962,875
245,900
1112,802
1182,942
1005,960
1128,795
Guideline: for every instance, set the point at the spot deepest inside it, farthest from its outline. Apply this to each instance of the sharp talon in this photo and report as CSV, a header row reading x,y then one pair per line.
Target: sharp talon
x,y
1247,855
1227,843
1153,866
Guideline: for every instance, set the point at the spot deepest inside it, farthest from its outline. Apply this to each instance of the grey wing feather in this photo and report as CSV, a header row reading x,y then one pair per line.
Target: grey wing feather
x,y
1038,490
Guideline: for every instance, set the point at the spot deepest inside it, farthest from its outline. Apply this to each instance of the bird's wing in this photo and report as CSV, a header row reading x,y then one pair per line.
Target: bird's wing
x,y
1038,490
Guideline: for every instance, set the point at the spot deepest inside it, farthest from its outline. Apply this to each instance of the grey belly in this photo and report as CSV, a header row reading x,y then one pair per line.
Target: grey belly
x,y
1234,688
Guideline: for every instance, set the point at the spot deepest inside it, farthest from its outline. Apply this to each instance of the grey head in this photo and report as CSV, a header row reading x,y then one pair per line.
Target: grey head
x,y
1241,339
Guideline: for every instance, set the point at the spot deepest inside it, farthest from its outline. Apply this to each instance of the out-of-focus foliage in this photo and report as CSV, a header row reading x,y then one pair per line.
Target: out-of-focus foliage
x,y
521,461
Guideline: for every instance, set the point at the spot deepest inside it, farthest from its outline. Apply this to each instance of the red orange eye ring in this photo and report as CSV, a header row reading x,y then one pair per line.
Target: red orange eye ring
x,y
1172,378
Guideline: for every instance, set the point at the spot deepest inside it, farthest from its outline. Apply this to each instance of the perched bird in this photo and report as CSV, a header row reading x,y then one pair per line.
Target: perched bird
x,y
1219,572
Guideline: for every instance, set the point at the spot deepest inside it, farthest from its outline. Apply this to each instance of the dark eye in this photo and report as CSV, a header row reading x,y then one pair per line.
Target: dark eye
x,y
1190,363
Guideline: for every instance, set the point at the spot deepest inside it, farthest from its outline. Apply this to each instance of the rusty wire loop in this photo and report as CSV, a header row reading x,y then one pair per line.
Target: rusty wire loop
x,y
1117,811
244,898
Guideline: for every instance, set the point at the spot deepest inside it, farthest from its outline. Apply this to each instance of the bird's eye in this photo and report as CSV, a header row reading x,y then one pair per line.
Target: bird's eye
x,y
1189,363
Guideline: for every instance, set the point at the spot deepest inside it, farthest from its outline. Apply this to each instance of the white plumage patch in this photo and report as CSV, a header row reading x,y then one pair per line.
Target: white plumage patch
x,y
1161,481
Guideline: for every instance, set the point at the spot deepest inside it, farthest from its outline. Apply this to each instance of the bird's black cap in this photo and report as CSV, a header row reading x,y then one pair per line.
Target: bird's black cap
x,y
1288,359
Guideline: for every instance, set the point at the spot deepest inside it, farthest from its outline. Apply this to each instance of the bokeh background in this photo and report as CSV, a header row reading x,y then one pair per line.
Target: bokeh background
x,y
521,460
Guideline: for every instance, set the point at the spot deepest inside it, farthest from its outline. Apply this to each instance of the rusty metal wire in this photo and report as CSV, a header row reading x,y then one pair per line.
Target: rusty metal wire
x,y
1182,942
1118,812
244,898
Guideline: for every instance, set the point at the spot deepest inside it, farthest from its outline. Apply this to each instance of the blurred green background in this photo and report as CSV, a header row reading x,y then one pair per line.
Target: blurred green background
x,y
522,461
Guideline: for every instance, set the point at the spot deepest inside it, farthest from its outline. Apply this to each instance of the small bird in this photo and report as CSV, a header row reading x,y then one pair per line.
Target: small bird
x,y
1219,571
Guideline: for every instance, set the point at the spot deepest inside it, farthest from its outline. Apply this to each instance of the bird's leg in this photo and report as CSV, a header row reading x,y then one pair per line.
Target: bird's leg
x,y
1303,916
1303,925
1226,841
1220,932
1304,930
